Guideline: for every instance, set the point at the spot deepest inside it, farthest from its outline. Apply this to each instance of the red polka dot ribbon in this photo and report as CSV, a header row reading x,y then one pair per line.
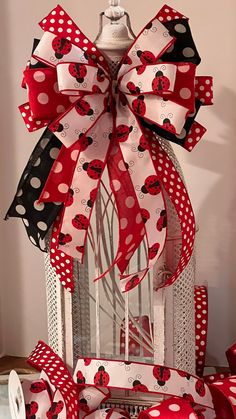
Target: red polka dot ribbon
x,y
99,122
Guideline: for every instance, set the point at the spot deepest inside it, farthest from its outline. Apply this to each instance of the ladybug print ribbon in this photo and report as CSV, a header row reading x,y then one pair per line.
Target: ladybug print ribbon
x,y
100,122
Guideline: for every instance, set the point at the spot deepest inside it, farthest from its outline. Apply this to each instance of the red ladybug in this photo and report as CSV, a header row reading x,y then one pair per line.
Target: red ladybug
x,y
143,144
139,105
80,378
151,185
137,386
145,215
84,142
161,83
162,221
132,88
184,374
31,409
92,199
83,405
80,249
79,71
140,69
96,89
61,47
101,377
100,75
152,251
146,57
80,222
55,409
87,361
83,108
162,374
122,132
168,126
127,60
38,387
132,283
69,198
56,127
123,99
64,239
200,413
200,388
94,168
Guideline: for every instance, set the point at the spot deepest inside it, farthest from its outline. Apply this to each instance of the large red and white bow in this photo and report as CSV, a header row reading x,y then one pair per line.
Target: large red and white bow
x,y
98,120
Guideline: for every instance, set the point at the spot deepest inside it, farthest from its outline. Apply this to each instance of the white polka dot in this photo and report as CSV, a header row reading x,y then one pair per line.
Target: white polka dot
x,y
121,166
76,39
232,400
39,206
123,223
63,188
20,209
73,99
60,30
188,52
32,240
60,108
129,202
35,182
39,76
42,226
233,389
182,134
46,195
74,155
174,407
128,256
232,380
185,93
69,30
37,162
192,416
55,87
26,222
180,28
116,185
184,68
129,239
19,193
154,413
23,114
51,29
43,98
54,153
57,167
85,41
138,219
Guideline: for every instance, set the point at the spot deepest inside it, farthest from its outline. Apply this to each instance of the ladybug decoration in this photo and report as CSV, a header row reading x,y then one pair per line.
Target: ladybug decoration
x,y
38,387
84,141
162,374
152,251
80,222
162,221
79,71
137,386
96,89
87,361
122,132
55,409
127,60
200,388
83,108
31,410
83,405
145,215
149,26
94,169
56,127
168,126
140,69
184,374
151,185
132,88
132,283
61,47
100,75
92,198
69,198
146,57
143,144
161,83
80,249
101,377
189,398
64,239
200,413
139,105
80,378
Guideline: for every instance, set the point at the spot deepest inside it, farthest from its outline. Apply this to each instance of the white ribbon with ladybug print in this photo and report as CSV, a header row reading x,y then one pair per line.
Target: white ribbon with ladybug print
x,y
99,125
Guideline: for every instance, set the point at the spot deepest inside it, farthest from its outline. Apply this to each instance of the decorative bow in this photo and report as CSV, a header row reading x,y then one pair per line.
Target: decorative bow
x,y
100,122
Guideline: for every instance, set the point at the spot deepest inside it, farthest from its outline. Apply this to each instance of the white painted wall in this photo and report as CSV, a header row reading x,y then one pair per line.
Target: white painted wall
x,y
209,170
